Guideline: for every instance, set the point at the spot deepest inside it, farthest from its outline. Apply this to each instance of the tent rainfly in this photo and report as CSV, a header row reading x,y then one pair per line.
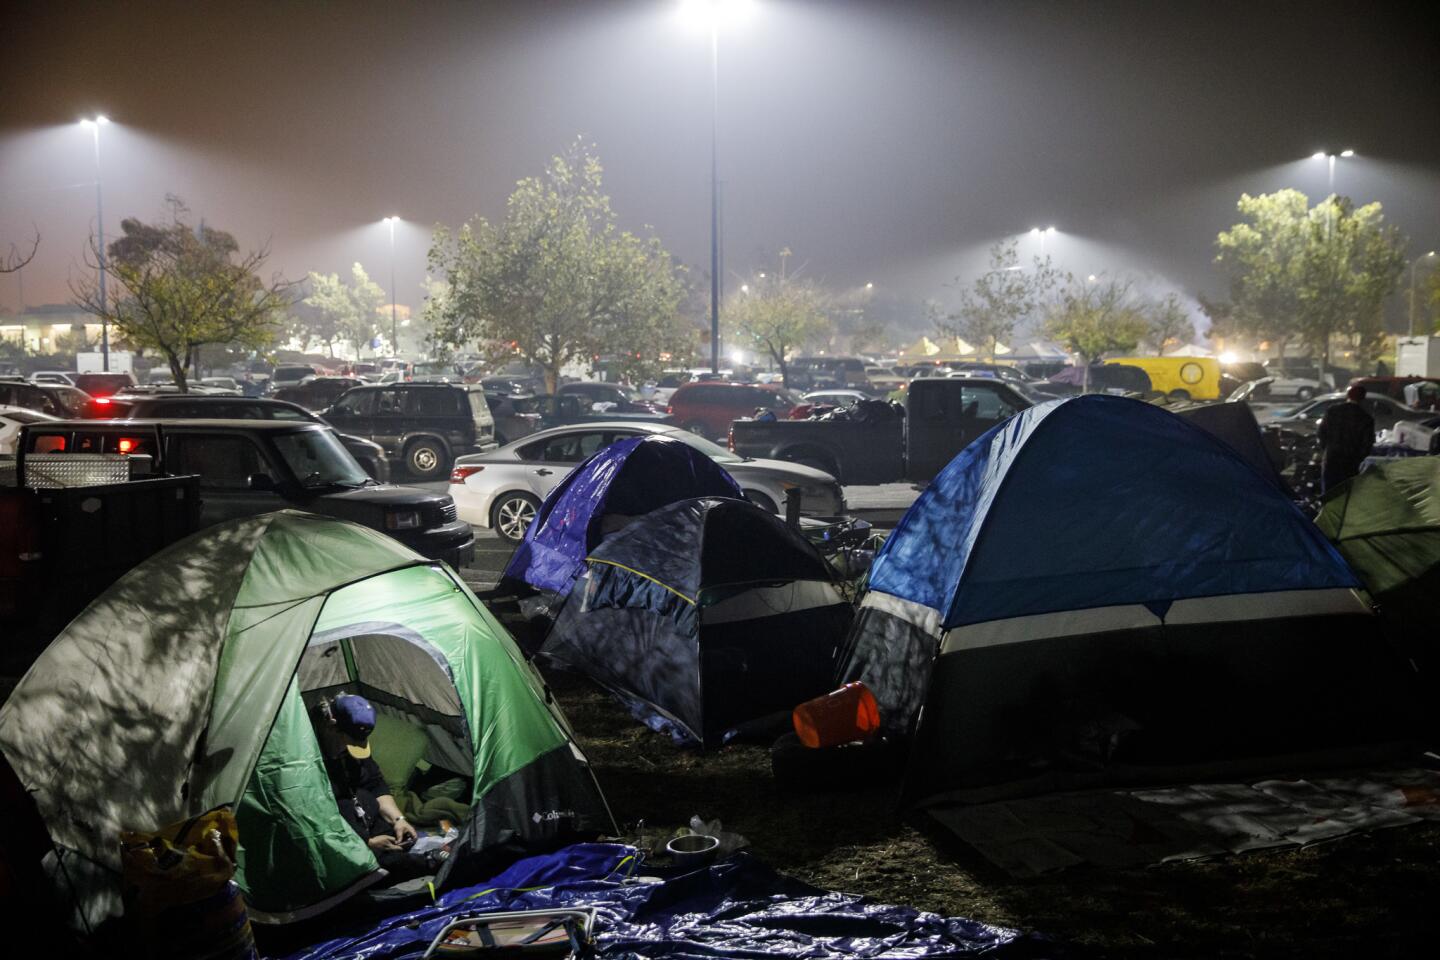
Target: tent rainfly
x,y
1097,591
709,613
185,687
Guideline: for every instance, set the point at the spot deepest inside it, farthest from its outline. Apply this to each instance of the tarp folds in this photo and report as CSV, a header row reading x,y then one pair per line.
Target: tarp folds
x,y
628,478
736,908
185,686
711,613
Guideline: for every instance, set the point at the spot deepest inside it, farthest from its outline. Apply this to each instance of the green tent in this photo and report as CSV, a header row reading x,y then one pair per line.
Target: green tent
x,y
185,687
1386,524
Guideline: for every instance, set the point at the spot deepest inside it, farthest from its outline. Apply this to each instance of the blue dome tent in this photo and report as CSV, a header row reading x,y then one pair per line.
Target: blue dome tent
x,y
629,478
1097,590
710,614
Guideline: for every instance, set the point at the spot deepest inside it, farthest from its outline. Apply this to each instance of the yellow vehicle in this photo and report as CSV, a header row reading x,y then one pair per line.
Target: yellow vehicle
x,y
1179,378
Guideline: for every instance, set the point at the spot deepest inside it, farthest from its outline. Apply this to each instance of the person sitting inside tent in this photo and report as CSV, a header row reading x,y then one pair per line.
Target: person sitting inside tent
x,y
343,726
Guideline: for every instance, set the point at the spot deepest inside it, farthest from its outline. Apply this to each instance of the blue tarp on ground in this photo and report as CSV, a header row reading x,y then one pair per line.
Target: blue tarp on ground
x,y
737,908
629,478
1097,501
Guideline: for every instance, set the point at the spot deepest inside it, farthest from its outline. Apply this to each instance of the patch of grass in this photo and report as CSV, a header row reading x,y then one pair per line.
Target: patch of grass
x,y
1363,896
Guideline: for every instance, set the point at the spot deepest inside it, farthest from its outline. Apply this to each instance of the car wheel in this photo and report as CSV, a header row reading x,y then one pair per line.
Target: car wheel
x,y
425,459
512,515
762,501
1179,395
1304,393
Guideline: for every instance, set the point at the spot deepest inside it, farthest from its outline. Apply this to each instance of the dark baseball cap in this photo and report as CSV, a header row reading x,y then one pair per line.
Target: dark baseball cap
x,y
354,717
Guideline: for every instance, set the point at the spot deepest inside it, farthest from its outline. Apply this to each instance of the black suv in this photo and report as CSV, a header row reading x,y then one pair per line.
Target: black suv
x,y
317,393
421,426
252,467
173,406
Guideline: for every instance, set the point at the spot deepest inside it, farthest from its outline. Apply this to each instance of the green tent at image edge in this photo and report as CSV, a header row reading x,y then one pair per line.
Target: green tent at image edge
x,y
186,687
1386,524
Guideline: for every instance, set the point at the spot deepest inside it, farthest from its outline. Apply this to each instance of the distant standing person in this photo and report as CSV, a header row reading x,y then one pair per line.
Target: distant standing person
x,y
1347,433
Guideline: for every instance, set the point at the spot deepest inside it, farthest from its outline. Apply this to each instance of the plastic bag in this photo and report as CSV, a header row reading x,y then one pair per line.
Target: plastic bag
x,y
729,842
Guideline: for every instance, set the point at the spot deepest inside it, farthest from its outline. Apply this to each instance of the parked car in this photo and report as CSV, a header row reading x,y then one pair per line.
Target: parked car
x,y
1298,377
709,407
289,374
221,384
11,420
317,393
516,415
503,489
1421,393
421,426
942,415
55,399
1306,417
257,466
619,399
436,372
54,376
506,384
103,384
192,407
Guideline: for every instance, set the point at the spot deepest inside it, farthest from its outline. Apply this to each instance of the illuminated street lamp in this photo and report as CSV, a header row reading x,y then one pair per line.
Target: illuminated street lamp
x,y
394,327
1413,264
94,127
711,14
1330,158
1042,234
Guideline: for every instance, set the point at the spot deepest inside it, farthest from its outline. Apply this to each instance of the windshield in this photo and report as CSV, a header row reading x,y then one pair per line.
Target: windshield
x,y
317,459
712,450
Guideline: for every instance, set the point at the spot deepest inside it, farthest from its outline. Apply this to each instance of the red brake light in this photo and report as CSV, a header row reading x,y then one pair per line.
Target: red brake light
x,y
669,408
102,400
126,444
730,439
463,470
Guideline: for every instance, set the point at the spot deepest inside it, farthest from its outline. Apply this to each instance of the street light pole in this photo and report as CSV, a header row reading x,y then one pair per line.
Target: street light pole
x,y
95,126
394,327
1413,264
714,196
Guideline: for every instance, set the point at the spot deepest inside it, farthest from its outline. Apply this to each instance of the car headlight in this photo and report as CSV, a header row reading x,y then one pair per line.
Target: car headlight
x,y
402,520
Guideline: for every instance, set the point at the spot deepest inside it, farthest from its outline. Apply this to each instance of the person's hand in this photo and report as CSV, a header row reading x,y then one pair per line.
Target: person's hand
x,y
382,844
404,833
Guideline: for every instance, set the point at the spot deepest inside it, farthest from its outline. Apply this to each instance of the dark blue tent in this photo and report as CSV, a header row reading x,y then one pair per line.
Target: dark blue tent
x,y
1096,572
709,614
629,478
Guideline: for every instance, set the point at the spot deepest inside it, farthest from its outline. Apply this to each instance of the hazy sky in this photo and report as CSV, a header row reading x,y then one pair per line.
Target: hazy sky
x,y
886,142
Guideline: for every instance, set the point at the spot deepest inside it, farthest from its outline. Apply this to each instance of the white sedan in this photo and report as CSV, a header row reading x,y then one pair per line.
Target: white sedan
x,y
11,420
502,489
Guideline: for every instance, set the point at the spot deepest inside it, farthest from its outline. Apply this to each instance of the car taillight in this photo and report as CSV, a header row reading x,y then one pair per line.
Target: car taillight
x,y
730,439
670,409
103,401
463,470
126,445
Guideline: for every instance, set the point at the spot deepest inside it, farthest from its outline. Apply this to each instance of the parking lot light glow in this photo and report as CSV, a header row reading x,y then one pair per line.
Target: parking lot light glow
x,y
1347,153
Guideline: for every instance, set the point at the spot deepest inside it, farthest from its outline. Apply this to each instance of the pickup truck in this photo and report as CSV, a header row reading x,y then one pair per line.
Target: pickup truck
x,y
249,467
942,415
70,526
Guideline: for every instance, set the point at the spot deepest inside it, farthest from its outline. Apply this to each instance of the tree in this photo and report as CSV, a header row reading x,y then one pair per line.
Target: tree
x,y
775,314
15,260
341,311
1169,321
179,286
556,277
998,299
1305,273
1096,317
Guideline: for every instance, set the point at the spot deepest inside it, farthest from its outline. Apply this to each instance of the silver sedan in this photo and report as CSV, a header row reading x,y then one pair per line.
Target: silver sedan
x,y
502,489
